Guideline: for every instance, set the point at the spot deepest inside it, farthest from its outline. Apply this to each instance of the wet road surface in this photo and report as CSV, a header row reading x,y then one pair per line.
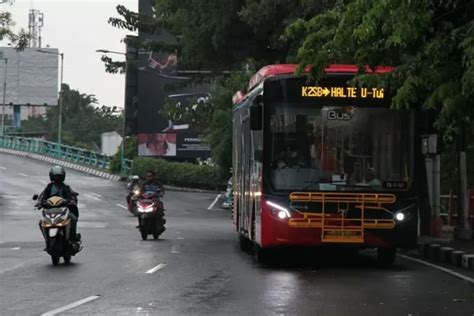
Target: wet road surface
x,y
195,268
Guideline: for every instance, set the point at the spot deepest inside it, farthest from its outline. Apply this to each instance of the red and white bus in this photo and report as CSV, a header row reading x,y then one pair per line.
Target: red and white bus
x,y
326,164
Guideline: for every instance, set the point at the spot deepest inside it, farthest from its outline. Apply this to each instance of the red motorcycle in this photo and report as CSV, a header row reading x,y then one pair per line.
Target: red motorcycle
x,y
151,213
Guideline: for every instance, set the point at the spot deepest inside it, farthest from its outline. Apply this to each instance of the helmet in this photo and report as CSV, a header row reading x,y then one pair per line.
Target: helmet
x,y
135,178
57,172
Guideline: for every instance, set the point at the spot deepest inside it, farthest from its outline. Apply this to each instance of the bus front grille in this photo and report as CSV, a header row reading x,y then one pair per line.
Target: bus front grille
x,y
333,218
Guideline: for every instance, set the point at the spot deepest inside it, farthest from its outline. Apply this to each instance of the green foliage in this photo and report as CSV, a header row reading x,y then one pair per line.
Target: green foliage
x,y
431,44
130,152
83,122
133,21
223,35
180,173
19,40
196,111
213,115
219,135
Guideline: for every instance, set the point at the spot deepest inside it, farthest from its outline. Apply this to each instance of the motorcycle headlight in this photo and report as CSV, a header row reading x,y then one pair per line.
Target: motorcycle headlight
x,y
136,192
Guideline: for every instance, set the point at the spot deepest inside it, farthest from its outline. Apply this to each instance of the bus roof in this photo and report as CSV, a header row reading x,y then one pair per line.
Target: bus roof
x,y
287,69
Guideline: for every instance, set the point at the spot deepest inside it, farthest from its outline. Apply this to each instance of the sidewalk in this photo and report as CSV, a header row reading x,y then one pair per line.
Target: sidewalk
x,y
455,252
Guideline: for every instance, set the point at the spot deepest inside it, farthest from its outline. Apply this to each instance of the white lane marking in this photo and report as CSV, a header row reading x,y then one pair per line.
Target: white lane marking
x,y
3,168
22,174
16,248
92,196
44,182
174,250
214,203
454,273
181,238
95,194
71,306
158,267
122,206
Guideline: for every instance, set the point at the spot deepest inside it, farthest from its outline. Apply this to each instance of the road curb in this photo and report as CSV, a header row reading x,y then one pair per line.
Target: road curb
x,y
438,252
66,164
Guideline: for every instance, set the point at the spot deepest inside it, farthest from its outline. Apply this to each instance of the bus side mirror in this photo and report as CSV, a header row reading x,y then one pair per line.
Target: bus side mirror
x,y
256,114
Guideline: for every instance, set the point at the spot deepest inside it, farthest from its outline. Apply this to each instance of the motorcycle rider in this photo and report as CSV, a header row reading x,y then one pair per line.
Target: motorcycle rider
x,y
57,187
152,184
135,181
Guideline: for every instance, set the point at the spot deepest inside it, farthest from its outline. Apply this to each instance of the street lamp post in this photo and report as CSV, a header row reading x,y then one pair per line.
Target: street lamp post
x,y
4,96
60,103
122,147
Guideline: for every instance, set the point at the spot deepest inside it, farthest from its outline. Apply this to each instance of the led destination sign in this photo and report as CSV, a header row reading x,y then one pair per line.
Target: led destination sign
x,y
342,92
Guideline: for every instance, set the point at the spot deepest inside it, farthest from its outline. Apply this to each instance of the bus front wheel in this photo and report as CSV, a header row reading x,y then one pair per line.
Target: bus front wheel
x,y
261,255
386,255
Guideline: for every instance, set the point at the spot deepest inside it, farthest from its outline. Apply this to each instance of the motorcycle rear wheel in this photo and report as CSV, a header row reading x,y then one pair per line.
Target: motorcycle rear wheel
x,y
144,235
55,260
156,236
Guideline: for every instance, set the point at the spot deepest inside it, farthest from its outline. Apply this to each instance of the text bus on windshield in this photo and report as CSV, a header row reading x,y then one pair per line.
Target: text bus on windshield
x,y
323,164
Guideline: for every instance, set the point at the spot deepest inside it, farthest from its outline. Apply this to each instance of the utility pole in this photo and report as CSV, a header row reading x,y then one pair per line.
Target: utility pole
x,y
122,146
4,96
432,164
464,231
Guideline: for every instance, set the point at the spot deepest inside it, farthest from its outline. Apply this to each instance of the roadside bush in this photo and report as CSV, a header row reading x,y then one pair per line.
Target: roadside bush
x,y
180,173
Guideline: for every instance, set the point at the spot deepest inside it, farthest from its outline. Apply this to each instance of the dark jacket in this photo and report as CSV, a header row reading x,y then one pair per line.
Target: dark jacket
x,y
65,192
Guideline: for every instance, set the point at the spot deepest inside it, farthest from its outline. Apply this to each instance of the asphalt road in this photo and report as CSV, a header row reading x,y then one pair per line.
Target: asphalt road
x,y
196,268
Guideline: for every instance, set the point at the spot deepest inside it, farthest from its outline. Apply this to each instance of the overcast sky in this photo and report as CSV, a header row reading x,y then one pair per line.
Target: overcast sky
x,y
77,28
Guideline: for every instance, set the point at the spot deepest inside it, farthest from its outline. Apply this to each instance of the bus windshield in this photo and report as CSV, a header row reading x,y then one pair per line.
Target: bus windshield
x,y
330,148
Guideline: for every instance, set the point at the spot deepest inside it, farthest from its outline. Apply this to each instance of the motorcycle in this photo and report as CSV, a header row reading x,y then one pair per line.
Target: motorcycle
x,y
55,225
151,214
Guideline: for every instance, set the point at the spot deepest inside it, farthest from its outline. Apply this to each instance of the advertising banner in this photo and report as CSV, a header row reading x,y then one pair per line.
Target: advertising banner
x,y
159,82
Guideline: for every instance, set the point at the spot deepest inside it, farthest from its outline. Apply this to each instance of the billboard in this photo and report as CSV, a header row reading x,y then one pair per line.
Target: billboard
x,y
159,80
32,76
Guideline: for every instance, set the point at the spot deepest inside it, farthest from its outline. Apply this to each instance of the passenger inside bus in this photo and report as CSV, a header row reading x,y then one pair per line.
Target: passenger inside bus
x,y
290,157
371,179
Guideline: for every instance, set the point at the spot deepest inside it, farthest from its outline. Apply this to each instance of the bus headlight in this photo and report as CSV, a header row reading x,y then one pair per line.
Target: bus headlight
x,y
399,216
283,212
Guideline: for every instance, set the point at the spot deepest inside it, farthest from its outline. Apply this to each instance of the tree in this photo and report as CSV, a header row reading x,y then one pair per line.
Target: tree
x,y
213,115
225,35
429,42
219,135
19,40
83,120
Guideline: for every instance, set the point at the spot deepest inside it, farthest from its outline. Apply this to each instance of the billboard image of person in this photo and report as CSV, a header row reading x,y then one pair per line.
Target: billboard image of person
x,y
158,144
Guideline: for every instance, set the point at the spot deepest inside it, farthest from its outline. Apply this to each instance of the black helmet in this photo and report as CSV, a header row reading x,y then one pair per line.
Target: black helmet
x,y
57,172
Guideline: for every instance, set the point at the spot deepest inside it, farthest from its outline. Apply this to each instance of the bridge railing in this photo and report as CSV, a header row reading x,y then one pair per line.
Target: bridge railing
x,y
63,152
